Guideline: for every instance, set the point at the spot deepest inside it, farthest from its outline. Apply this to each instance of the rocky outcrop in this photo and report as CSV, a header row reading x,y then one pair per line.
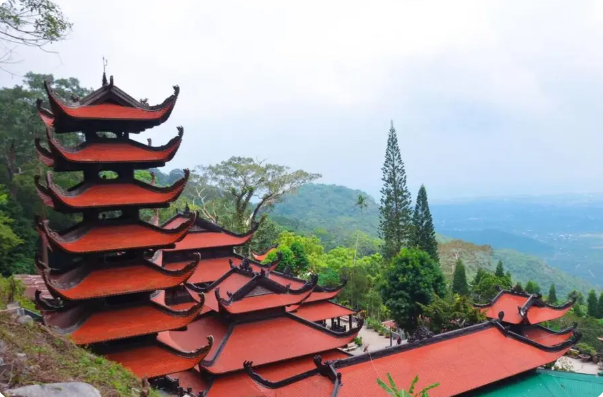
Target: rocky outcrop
x,y
70,389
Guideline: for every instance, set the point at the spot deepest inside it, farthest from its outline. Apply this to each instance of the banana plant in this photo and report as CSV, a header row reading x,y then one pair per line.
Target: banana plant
x,y
393,390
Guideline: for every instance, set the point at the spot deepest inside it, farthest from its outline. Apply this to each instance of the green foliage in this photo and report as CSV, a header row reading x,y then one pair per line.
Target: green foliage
x,y
395,211
532,287
593,304
459,279
358,340
500,270
411,280
393,390
600,305
585,348
423,234
518,288
552,295
32,23
451,312
590,328
486,285
242,178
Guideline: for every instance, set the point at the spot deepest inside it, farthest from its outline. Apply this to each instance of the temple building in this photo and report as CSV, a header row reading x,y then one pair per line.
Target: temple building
x,y
102,273
460,361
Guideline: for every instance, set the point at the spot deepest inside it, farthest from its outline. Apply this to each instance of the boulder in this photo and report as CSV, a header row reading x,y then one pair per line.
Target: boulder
x,y
70,389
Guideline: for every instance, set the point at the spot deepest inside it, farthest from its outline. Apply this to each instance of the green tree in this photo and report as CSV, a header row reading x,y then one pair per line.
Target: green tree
x,y
479,275
500,270
518,288
532,287
593,304
423,234
395,211
409,281
450,313
459,279
242,179
31,23
552,294
489,285
600,309
300,263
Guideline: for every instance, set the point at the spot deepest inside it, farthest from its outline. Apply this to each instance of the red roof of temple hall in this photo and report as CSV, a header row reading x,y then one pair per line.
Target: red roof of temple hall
x,y
153,358
322,311
87,323
112,235
94,280
548,337
109,193
522,308
489,353
265,341
239,384
205,234
106,109
106,151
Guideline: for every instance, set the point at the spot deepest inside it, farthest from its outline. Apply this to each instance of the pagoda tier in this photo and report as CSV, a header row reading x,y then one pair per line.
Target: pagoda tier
x,y
106,109
149,357
268,340
239,383
101,321
107,194
109,276
520,308
459,361
100,153
109,235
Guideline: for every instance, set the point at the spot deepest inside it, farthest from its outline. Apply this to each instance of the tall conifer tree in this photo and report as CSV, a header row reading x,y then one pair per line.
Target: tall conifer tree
x,y
459,279
395,212
593,304
423,234
500,270
552,294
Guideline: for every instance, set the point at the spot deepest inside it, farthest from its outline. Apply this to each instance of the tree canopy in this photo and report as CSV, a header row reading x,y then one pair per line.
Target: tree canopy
x,y
423,234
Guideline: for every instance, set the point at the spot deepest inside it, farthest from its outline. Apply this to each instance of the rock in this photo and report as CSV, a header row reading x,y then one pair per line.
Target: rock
x,y
25,320
70,389
21,355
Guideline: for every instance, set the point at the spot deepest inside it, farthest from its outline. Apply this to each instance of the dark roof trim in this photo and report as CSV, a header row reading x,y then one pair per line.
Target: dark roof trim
x,y
247,365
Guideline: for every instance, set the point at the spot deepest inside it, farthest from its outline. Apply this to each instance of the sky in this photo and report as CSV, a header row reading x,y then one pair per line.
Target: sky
x,y
487,98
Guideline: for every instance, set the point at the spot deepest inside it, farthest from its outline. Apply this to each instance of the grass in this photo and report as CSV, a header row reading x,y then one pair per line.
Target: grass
x,y
50,358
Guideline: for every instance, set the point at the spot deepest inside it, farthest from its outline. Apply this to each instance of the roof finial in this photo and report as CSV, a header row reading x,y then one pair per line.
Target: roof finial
x,y
105,62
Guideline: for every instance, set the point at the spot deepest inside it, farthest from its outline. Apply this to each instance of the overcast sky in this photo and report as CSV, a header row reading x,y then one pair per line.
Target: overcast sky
x,y
488,97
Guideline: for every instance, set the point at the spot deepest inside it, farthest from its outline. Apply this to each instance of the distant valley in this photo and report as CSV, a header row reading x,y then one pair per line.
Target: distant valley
x,y
538,238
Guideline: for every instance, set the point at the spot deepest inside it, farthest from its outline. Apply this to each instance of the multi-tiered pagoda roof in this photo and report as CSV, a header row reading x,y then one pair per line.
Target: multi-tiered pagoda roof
x,y
103,274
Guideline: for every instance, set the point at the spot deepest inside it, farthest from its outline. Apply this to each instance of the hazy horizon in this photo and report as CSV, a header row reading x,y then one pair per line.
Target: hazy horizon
x,y
488,98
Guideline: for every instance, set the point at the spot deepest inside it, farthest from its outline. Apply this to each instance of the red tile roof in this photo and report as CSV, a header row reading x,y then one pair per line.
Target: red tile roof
x,y
195,334
239,384
110,193
112,235
263,302
157,359
201,240
322,311
93,280
262,257
107,151
522,308
272,340
459,361
209,269
88,324
548,337
536,315
105,108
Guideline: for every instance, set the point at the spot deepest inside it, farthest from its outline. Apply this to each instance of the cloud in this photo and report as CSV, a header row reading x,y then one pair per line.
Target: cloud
x,y
488,97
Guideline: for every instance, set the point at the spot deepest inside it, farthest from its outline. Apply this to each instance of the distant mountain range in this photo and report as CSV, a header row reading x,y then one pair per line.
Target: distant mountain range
x,y
527,233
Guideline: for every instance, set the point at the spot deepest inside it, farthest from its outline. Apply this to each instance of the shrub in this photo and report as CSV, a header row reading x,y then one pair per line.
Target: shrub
x,y
358,340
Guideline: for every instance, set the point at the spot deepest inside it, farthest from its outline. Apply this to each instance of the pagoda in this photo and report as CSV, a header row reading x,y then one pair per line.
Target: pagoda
x,y
511,342
103,273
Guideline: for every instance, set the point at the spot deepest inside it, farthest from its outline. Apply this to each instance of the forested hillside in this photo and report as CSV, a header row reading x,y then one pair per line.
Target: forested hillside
x,y
328,211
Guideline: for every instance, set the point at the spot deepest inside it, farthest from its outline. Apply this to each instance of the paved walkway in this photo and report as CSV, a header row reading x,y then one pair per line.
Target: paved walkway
x,y
372,339
578,365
